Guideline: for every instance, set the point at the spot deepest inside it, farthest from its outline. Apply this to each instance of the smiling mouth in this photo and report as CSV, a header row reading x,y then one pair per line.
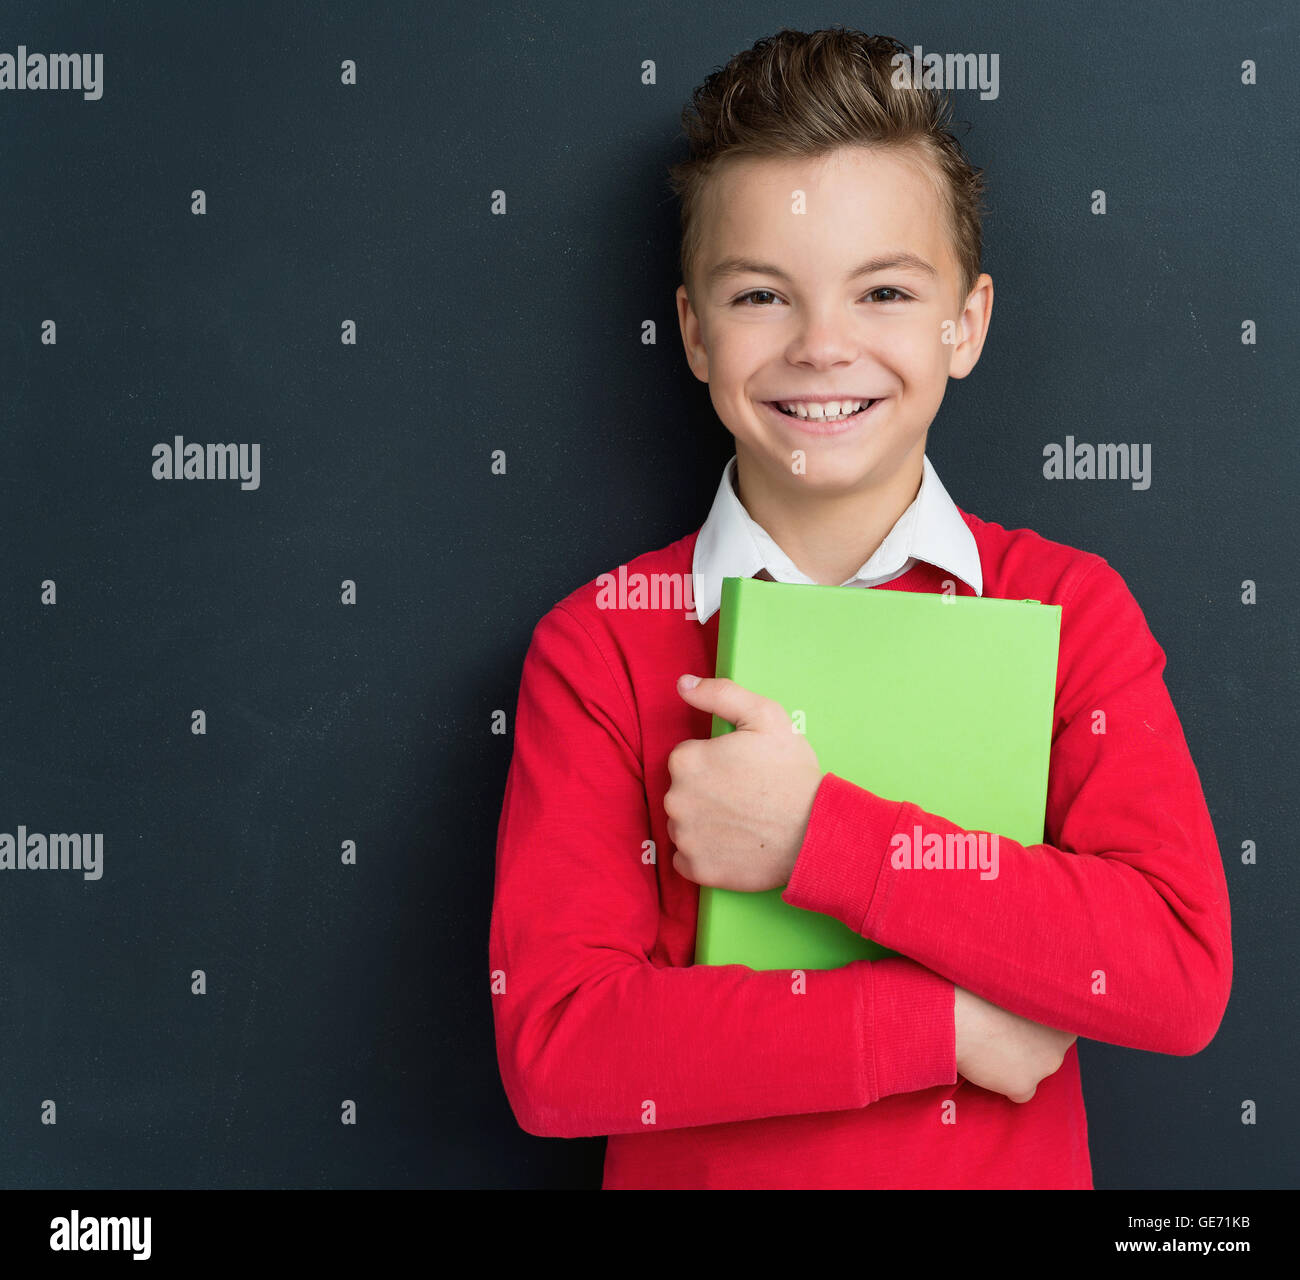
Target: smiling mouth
x,y
865,407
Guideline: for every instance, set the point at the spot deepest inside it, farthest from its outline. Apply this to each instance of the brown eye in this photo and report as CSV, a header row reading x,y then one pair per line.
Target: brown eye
x,y
754,293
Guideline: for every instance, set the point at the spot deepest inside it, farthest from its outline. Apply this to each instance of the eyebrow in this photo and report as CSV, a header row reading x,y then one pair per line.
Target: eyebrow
x,y
736,266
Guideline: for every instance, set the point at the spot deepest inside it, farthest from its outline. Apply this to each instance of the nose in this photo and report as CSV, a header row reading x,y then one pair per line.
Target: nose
x,y
825,336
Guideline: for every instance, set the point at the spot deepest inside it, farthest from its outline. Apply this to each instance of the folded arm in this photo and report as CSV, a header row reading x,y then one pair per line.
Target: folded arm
x,y
1117,927
592,1036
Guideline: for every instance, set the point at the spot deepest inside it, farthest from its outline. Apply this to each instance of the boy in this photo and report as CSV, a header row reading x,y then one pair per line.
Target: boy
x,y
831,286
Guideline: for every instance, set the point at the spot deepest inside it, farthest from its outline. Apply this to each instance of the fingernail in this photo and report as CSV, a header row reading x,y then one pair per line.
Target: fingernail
x,y
688,682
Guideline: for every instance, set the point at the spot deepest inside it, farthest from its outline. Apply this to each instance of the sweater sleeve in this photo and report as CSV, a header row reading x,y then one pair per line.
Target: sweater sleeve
x,y
592,1036
1117,928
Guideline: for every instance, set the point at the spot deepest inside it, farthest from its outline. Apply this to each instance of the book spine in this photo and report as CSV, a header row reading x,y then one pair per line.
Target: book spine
x,y
703,931
724,665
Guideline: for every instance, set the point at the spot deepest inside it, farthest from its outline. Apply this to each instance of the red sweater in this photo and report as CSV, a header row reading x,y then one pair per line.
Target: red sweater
x,y
720,1076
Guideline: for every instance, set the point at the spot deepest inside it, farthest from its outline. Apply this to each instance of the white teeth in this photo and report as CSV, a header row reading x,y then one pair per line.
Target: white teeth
x,y
831,410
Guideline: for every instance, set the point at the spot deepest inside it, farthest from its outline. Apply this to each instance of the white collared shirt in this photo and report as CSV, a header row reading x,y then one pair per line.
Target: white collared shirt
x,y
732,544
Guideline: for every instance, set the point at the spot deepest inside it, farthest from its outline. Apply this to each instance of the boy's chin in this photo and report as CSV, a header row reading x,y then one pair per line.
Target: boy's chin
x,y
856,465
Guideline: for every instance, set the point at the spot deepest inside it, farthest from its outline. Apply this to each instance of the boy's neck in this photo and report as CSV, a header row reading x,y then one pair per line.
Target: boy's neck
x,y
829,538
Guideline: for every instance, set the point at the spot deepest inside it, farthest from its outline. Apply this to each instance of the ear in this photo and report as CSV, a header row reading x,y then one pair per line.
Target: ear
x,y
973,325
689,323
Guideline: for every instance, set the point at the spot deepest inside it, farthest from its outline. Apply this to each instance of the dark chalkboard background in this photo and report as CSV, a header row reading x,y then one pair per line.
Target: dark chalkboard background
x,y
371,722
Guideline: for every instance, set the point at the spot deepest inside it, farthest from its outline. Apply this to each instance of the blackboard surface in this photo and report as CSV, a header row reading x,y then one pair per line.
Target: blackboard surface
x,y
349,625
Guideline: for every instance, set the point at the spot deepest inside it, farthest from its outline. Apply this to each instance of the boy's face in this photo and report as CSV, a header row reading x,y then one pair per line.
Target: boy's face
x,y
777,313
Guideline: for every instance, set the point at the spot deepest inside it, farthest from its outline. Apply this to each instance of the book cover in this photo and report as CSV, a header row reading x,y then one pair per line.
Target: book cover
x,y
944,701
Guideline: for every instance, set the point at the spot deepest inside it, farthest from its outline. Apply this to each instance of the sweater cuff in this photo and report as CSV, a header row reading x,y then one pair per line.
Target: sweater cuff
x,y
913,1027
843,852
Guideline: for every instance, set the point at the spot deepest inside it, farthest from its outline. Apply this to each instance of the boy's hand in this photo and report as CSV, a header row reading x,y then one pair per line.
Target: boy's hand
x,y
738,805
1003,1052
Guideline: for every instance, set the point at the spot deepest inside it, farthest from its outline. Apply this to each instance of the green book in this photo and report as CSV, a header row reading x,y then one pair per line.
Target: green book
x,y
944,701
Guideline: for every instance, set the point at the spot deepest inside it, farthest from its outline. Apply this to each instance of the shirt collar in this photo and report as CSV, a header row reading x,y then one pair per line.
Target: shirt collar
x,y
731,544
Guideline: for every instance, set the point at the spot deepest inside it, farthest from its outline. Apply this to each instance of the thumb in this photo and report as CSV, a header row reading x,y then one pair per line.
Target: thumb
x,y
733,702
